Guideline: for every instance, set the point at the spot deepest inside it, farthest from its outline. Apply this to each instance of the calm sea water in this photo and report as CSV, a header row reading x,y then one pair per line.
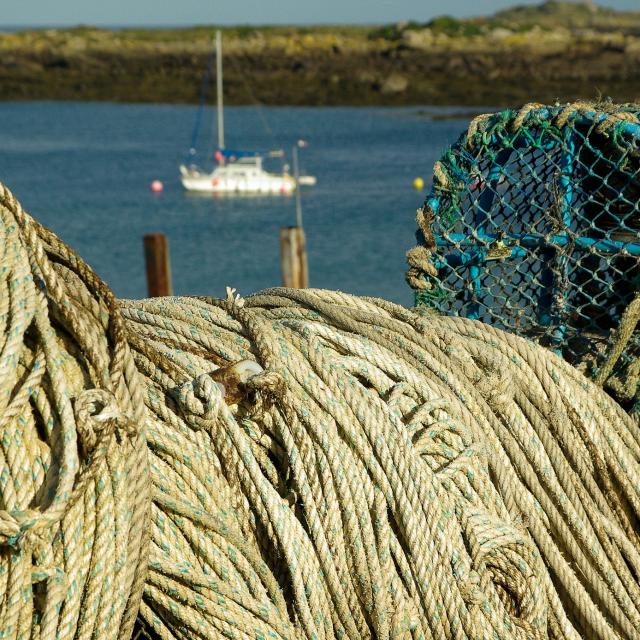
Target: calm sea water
x,y
84,169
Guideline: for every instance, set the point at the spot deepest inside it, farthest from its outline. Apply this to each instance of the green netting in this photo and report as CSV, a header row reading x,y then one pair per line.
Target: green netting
x,y
533,226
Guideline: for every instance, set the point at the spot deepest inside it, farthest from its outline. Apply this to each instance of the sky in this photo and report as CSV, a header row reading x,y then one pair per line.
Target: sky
x,y
191,12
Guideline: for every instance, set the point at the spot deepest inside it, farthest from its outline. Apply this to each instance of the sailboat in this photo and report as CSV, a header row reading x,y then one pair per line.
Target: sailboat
x,y
238,172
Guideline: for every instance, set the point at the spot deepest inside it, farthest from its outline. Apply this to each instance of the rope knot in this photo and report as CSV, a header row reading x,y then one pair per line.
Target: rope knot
x,y
233,379
15,525
478,125
471,590
496,390
503,561
420,258
22,528
268,388
200,399
269,383
97,415
425,218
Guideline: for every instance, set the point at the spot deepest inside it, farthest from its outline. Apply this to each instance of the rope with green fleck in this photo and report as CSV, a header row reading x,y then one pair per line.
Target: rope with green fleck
x,y
391,475
74,493
322,466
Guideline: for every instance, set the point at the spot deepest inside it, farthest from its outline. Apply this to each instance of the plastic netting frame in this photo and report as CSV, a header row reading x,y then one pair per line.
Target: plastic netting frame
x,y
533,226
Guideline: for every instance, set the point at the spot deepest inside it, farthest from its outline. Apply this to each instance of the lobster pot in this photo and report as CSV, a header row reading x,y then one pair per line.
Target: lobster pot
x,y
533,226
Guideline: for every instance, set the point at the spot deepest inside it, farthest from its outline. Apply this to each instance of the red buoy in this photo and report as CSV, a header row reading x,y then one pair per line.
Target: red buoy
x,y
156,186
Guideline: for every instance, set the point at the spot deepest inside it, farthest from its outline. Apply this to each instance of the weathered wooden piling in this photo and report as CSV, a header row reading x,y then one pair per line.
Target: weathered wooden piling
x,y
293,258
156,257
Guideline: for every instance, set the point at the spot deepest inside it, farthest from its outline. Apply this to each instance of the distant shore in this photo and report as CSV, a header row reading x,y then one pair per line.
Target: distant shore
x,y
399,65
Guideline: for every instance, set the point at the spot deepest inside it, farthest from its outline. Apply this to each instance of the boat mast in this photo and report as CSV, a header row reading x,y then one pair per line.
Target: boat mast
x,y
296,177
219,89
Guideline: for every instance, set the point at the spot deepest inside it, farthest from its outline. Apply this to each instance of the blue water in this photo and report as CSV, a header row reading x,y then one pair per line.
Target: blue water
x,y
84,169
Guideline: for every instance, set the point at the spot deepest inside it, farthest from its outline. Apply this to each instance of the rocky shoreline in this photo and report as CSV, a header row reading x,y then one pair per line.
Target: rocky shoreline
x,y
325,66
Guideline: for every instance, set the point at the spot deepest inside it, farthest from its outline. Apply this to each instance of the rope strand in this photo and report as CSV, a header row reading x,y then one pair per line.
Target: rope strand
x,y
299,465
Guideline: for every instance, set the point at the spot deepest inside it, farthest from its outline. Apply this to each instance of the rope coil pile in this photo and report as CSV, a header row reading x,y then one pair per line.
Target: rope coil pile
x,y
401,476
327,487
73,457
321,466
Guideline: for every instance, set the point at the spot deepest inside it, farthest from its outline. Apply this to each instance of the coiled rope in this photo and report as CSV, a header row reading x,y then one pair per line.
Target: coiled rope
x,y
322,466
389,476
74,473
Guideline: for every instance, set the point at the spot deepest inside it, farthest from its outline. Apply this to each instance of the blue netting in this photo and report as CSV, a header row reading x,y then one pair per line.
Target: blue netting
x,y
533,226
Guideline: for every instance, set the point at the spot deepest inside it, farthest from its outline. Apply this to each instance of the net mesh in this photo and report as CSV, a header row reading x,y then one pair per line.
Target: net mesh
x,y
533,226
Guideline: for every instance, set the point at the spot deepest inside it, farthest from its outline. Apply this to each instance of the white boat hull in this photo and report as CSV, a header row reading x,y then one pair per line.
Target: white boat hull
x,y
223,181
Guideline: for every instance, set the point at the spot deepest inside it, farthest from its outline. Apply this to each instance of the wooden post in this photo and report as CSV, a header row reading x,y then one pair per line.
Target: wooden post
x,y
293,258
156,257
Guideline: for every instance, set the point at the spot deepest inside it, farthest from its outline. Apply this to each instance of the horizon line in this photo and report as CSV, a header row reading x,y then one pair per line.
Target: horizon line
x,y
195,25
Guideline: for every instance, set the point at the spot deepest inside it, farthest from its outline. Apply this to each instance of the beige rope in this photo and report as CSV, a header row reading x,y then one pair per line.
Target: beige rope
x,y
397,476
625,389
322,466
73,512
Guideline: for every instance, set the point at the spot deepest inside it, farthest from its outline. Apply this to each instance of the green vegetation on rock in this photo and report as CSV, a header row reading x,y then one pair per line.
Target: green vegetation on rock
x,y
556,50
548,16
